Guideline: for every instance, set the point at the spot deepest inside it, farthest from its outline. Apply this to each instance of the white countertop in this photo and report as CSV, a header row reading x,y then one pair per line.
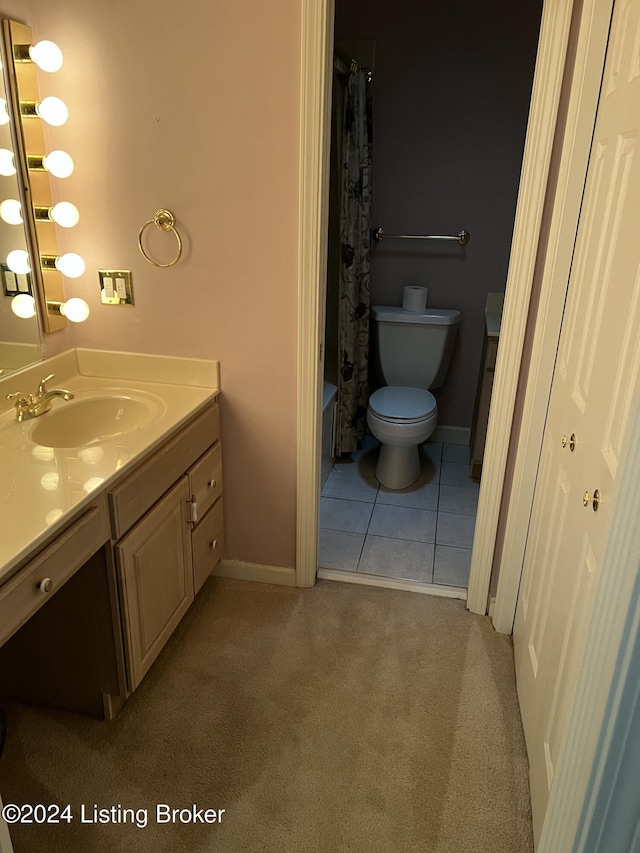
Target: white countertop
x,y
493,314
41,487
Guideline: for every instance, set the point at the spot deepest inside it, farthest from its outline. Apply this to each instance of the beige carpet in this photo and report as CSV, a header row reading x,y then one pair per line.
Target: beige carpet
x,y
343,718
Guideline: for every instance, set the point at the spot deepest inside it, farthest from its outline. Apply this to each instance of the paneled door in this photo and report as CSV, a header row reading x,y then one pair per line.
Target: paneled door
x,y
594,393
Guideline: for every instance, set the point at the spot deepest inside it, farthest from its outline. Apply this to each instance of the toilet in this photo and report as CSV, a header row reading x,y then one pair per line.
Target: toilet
x,y
412,351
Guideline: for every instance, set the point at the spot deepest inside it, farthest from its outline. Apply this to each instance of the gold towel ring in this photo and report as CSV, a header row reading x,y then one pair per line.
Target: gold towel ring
x,y
165,221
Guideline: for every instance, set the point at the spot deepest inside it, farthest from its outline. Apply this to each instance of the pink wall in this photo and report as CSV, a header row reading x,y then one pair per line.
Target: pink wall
x,y
451,95
195,107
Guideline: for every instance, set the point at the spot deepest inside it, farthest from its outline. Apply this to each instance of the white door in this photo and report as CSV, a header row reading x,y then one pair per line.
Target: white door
x,y
594,390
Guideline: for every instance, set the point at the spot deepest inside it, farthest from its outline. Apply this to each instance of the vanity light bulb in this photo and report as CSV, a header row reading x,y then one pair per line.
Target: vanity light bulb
x,y
7,167
53,111
11,211
70,265
4,113
75,309
59,163
46,55
18,262
63,213
24,306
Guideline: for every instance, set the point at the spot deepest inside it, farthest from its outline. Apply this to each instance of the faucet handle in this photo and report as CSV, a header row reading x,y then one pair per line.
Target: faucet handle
x,y
22,402
41,387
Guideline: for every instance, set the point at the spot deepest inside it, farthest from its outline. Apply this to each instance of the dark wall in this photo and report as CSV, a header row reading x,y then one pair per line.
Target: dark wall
x,y
451,93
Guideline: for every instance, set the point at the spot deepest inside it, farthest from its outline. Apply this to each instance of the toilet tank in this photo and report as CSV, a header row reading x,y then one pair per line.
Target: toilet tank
x,y
413,348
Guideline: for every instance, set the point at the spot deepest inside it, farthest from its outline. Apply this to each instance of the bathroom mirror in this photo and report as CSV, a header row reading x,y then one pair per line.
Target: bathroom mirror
x,y
20,338
37,158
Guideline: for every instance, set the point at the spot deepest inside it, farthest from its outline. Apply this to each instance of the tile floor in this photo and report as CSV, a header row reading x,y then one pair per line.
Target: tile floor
x,y
423,533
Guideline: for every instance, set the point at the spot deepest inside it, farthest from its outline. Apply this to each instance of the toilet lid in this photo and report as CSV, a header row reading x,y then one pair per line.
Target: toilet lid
x,y
397,403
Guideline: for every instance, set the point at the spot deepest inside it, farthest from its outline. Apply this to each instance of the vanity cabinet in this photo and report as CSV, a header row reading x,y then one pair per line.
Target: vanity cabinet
x,y
167,525
483,404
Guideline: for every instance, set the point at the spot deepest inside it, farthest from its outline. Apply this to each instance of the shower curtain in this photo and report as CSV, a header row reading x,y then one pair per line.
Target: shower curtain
x,y
355,244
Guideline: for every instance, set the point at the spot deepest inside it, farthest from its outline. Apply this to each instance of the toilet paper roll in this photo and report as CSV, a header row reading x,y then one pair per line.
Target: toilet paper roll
x,y
414,298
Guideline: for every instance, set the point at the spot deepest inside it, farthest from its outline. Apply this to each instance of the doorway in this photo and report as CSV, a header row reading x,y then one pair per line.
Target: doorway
x,y
438,74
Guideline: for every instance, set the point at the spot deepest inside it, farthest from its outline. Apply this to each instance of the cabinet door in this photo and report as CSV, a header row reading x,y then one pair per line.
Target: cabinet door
x,y
154,561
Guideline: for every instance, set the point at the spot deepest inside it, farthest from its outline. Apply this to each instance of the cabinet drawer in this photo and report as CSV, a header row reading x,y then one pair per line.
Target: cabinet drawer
x,y
21,596
205,479
208,544
130,500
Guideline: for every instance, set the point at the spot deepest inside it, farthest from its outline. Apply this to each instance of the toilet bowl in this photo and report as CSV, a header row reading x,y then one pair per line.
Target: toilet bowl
x,y
400,418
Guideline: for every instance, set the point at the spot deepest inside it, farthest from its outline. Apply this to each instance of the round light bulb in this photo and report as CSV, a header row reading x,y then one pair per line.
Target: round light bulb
x,y
4,113
75,309
53,111
70,265
7,167
63,213
18,262
46,55
11,211
24,306
59,163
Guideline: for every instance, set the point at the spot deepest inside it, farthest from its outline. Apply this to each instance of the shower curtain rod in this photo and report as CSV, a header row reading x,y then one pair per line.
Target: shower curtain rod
x,y
353,65
379,235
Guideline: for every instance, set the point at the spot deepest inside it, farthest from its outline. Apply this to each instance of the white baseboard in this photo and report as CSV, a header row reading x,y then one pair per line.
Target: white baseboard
x,y
452,435
240,570
391,583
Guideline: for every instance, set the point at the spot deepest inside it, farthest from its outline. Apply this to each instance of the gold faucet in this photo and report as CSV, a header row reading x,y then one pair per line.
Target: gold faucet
x,y
34,406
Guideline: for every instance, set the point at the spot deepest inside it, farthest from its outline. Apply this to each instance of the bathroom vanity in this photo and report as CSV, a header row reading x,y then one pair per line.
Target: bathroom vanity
x,y
105,543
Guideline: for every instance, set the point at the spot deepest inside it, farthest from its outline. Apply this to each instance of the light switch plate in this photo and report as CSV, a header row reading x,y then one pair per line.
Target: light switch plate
x,y
116,287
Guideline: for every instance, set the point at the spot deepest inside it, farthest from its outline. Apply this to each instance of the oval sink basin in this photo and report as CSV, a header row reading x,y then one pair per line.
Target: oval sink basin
x,y
81,422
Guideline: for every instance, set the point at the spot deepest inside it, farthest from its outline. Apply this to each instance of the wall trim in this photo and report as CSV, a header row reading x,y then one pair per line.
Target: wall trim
x,y
452,435
240,570
439,590
574,158
315,129
547,83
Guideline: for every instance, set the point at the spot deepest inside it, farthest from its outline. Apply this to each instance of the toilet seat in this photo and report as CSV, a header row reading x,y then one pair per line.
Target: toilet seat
x,y
397,404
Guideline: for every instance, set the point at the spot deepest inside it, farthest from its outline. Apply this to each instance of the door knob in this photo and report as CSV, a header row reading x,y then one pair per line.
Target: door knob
x,y
570,440
594,501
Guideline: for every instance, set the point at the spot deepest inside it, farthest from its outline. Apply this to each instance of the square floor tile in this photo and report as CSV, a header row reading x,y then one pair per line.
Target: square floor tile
x,y
454,529
452,565
338,514
397,558
456,474
340,550
431,450
403,522
456,499
456,453
349,486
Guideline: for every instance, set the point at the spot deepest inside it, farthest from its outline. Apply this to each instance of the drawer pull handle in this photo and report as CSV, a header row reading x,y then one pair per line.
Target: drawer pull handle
x,y
45,585
212,484
213,543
